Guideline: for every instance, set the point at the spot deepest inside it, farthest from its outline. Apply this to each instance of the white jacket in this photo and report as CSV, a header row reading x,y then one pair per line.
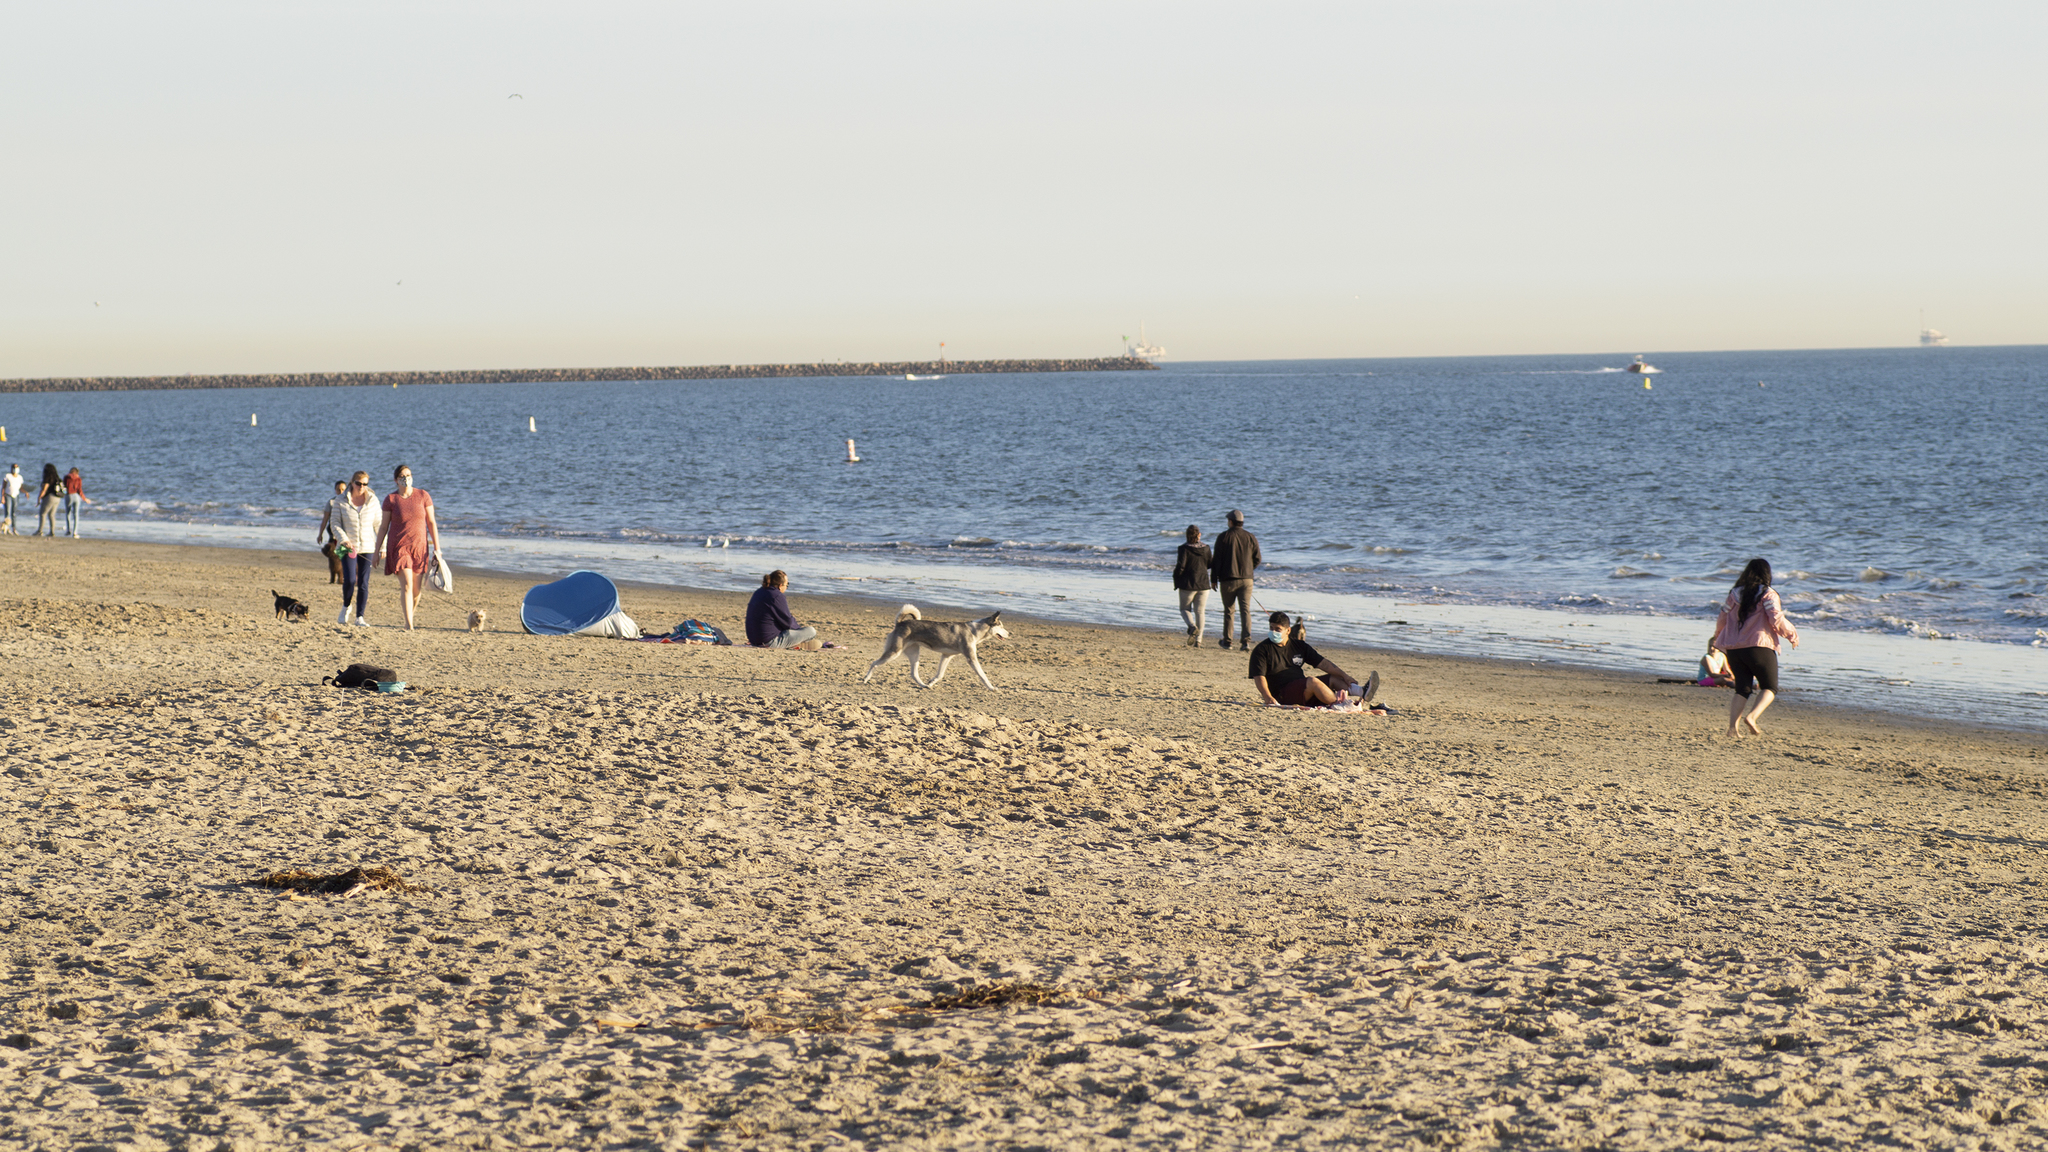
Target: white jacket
x,y
355,527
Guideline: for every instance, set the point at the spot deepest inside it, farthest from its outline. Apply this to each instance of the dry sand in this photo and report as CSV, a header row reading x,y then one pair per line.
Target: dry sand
x,y
714,896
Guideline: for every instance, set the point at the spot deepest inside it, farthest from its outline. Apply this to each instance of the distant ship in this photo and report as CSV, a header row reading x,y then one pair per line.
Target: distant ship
x,y
1929,338
1142,350
1642,369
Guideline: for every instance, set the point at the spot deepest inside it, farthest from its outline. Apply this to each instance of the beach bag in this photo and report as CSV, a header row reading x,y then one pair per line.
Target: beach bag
x,y
438,576
700,632
360,676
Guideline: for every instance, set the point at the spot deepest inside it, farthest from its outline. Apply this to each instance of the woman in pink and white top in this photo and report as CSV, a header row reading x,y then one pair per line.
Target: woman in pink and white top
x,y
1751,623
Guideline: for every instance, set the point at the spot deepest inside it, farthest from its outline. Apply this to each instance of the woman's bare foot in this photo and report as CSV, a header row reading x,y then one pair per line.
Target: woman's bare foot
x,y
1751,725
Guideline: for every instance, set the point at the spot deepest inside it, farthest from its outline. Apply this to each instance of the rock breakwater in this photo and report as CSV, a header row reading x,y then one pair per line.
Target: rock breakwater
x,y
573,375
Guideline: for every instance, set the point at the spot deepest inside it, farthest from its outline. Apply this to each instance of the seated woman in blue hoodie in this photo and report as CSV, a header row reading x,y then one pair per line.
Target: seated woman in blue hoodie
x,y
769,623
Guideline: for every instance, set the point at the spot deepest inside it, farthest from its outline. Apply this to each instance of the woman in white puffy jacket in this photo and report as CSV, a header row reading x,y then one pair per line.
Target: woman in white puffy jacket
x,y
354,517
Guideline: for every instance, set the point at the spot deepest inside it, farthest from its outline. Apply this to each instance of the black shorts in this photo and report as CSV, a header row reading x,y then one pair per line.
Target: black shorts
x,y
1293,692
1758,665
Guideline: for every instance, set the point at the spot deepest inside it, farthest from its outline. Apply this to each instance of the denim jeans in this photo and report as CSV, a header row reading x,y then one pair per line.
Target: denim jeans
x,y
13,505
72,503
355,581
1194,608
793,637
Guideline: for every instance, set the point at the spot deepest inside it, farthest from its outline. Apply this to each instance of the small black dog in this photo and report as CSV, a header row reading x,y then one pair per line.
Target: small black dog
x,y
289,610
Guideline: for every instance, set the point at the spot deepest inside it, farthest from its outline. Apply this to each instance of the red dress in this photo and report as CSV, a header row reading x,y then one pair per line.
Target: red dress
x,y
405,545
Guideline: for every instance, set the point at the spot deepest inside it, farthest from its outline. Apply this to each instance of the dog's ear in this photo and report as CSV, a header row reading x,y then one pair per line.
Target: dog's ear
x,y
995,617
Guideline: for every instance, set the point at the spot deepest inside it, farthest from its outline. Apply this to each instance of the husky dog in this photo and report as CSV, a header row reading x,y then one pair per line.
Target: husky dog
x,y
913,633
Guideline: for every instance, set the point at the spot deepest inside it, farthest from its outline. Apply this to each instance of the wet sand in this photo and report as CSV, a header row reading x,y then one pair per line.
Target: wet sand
x,y
695,896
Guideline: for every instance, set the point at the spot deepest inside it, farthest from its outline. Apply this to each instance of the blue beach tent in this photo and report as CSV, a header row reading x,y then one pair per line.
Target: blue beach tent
x,y
579,604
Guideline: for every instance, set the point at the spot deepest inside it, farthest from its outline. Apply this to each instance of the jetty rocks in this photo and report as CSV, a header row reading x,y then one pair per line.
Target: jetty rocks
x,y
576,375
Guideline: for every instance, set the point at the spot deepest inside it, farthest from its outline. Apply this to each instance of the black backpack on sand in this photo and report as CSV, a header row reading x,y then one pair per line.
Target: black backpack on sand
x,y
360,676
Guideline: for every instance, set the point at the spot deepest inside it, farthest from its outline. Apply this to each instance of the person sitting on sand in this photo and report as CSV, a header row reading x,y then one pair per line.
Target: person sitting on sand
x,y
1713,670
769,622
1338,681
1279,671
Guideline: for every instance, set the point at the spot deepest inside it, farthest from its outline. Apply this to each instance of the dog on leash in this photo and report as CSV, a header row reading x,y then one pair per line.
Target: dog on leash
x,y
288,610
332,550
914,635
478,619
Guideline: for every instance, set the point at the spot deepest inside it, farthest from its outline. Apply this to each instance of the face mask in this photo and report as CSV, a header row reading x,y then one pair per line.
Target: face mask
x,y
1277,637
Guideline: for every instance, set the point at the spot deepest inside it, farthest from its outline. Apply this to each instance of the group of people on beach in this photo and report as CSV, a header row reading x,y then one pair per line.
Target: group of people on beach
x,y
64,494
1742,653
1283,666
358,527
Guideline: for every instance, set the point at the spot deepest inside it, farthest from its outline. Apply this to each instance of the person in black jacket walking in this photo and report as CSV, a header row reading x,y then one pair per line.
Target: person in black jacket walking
x,y
1191,578
1237,555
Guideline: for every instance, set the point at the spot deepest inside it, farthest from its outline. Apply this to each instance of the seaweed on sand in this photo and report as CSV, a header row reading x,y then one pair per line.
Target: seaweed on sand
x,y
375,878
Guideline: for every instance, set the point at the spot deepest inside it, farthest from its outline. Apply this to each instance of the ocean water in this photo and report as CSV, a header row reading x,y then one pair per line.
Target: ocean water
x,y
1548,508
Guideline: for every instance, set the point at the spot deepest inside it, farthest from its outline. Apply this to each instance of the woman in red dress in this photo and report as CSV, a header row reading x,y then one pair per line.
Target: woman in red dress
x,y
409,537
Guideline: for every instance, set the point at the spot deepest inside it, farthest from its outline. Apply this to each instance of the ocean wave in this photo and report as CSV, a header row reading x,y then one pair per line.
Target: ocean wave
x,y
1903,627
1902,600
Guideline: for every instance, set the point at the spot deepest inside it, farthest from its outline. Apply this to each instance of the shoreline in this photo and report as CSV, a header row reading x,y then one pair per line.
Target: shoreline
x,y
1907,707
683,896
568,375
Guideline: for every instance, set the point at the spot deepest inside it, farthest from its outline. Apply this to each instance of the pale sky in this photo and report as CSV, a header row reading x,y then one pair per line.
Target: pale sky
x,y
286,186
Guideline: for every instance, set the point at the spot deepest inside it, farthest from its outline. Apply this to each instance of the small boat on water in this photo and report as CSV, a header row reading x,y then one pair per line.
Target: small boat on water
x,y
915,376
1929,338
1142,350
1642,369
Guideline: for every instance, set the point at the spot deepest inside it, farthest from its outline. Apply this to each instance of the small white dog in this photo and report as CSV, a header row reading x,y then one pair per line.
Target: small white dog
x,y
913,634
478,619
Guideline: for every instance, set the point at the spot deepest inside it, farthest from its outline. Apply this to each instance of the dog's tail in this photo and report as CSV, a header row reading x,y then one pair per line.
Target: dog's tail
x,y
909,612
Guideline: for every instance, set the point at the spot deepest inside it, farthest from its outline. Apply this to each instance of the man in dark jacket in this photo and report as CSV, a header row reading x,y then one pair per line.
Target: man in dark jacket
x,y
1237,554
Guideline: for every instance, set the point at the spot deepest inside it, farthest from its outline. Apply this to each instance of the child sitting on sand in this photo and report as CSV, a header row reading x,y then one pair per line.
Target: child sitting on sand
x,y
1713,671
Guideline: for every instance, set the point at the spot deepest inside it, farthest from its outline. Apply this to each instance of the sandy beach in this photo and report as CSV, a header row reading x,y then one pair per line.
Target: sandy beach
x,y
675,896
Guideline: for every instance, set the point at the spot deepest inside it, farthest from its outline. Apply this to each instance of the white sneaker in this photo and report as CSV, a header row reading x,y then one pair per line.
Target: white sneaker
x,y
362,623
343,618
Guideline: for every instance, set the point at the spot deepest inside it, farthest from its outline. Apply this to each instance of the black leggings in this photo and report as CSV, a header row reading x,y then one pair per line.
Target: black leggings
x,y
1754,664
